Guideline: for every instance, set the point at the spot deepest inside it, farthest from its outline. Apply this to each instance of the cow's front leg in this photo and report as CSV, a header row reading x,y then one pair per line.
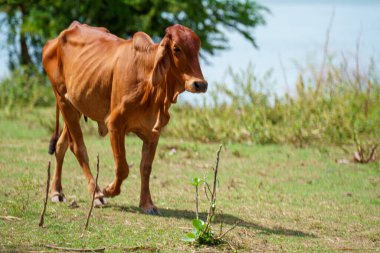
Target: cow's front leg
x,y
117,137
148,152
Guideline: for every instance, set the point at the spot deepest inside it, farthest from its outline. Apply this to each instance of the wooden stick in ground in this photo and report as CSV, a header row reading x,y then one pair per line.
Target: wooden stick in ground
x,y
196,202
206,187
213,194
93,194
74,250
46,196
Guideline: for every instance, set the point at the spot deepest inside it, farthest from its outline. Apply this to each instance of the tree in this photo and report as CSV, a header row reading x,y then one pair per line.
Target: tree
x,y
31,23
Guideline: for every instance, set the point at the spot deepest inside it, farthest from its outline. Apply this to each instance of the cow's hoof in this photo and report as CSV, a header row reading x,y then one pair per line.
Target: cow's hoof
x,y
152,211
100,202
58,197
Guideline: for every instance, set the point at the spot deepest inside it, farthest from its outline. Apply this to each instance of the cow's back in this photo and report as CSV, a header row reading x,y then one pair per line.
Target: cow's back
x,y
83,59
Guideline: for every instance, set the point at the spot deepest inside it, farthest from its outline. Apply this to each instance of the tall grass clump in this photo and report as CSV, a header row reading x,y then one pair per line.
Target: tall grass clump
x,y
25,87
333,105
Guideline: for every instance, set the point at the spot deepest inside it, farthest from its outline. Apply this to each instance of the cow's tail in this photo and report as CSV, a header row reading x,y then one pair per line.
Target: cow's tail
x,y
55,136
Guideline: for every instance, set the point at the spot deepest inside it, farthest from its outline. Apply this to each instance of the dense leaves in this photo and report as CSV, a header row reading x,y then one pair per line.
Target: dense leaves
x,y
25,86
37,21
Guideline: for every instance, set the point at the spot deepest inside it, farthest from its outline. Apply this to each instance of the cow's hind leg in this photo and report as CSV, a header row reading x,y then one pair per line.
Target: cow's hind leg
x,y
77,146
60,151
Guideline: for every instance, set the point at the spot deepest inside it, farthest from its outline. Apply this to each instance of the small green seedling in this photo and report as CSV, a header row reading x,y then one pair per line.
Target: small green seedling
x,y
195,182
202,232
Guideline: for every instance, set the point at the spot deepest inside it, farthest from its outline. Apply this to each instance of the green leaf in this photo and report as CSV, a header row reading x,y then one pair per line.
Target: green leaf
x,y
196,181
190,237
198,224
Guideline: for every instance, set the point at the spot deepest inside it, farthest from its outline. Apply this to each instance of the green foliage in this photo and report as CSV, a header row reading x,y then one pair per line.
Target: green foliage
x,y
25,86
196,181
201,234
333,109
329,110
37,21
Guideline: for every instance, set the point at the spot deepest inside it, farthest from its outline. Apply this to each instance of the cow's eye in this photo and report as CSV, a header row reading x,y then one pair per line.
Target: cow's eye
x,y
176,49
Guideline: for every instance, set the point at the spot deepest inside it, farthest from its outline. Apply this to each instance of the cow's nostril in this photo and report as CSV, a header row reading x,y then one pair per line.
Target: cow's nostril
x,y
200,86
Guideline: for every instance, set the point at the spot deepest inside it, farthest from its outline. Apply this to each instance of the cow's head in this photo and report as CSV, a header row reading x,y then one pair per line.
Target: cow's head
x,y
177,58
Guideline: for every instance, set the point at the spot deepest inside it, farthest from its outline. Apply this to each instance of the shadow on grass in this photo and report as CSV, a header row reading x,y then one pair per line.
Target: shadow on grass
x,y
227,219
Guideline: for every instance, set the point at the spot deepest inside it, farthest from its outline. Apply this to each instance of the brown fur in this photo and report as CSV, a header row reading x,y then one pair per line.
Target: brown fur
x,y
124,85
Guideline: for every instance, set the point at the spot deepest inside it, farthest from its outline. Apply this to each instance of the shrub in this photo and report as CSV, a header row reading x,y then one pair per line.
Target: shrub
x,y
25,86
332,107
336,106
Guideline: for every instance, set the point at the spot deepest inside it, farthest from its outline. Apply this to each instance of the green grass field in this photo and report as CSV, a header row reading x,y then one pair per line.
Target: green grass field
x,y
286,199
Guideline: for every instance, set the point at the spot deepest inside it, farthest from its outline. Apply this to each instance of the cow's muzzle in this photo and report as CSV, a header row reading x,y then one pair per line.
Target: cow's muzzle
x,y
200,86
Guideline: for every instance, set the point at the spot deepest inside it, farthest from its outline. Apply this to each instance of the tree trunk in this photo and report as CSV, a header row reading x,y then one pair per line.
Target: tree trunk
x,y
24,57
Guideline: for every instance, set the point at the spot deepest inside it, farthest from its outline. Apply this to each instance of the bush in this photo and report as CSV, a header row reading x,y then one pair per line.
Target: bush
x,y
26,86
332,108
338,106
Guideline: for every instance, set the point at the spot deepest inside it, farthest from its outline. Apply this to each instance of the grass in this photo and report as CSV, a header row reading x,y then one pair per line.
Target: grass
x,y
286,199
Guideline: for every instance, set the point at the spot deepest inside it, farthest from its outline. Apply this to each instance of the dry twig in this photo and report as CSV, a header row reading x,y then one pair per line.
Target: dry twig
x,y
361,151
213,194
74,250
211,210
205,184
93,195
9,218
325,52
140,249
196,202
46,196
228,230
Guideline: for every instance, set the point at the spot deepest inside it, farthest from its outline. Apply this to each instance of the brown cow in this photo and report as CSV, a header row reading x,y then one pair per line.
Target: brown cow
x,y
124,85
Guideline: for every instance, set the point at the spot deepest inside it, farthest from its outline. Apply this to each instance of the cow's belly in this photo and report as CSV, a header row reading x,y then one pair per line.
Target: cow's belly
x,y
93,102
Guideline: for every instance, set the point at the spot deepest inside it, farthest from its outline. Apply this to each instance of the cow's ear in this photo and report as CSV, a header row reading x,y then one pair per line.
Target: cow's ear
x,y
142,42
161,61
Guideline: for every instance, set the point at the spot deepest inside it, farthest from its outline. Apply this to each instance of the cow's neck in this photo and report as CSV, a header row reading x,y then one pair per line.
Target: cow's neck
x,y
168,96
156,99
170,91
161,97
